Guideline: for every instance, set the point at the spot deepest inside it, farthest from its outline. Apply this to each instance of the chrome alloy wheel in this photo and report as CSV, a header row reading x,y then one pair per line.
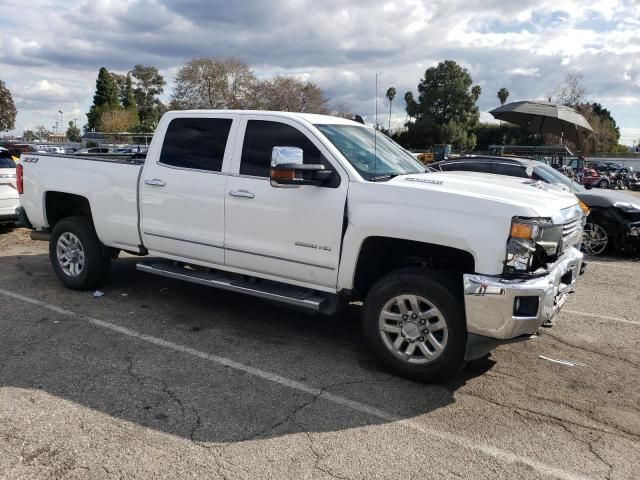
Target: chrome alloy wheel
x,y
70,254
595,239
413,329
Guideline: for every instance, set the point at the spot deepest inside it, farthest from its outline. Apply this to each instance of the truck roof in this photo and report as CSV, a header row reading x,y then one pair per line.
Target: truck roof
x,y
312,118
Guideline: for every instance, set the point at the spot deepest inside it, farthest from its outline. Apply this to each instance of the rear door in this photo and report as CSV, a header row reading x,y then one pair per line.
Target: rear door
x,y
182,189
286,232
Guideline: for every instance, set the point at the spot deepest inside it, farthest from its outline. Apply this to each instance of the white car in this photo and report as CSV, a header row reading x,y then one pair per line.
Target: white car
x,y
9,198
315,212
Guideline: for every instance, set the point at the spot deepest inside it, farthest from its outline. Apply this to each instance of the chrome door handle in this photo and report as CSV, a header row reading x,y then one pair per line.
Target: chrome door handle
x,y
154,182
242,193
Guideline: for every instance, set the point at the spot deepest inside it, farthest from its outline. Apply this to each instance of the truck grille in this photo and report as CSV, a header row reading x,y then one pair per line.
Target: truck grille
x,y
571,233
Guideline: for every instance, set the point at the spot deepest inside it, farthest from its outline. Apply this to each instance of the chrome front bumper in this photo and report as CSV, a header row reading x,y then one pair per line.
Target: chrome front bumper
x,y
493,304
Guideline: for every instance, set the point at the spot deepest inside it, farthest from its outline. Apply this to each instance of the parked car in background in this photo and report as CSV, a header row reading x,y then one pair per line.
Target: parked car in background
x,y
618,166
93,150
590,178
598,166
315,212
9,198
613,224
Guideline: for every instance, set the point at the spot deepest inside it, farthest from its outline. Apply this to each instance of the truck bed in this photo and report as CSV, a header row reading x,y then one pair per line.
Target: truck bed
x,y
135,159
108,182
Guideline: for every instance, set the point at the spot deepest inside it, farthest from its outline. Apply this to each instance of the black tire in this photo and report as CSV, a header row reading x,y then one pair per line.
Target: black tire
x,y
97,259
603,184
439,291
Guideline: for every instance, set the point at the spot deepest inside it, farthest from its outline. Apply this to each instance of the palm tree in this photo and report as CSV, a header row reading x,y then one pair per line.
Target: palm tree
x,y
503,94
391,94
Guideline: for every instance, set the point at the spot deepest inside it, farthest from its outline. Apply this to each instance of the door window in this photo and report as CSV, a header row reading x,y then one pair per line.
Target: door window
x,y
196,143
260,138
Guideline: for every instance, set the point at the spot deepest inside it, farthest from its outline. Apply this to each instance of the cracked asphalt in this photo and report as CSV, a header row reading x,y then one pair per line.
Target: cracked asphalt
x,y
162,379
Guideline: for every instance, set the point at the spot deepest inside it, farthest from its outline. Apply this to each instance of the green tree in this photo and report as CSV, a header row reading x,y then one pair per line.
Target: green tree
x,y
128,98
503,94
105,98
7,109
119,79
73,133
606,133
391,94
412,106
28,136
446,110
41,133
148,84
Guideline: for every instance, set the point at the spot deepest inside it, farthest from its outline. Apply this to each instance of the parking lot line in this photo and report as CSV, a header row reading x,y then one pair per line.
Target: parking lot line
x,y
468,443
602,317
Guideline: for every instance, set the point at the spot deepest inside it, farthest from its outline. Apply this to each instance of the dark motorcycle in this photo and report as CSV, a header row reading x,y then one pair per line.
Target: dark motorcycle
x,y
618,178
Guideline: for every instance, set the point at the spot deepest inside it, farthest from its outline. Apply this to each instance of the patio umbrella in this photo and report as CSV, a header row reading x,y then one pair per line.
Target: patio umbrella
x,y
546,117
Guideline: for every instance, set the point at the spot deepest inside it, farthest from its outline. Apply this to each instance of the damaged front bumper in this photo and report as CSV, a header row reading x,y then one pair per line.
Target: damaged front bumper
x,y
503,310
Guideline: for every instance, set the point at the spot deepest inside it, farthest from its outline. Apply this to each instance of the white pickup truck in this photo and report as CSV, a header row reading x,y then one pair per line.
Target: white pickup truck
x,y
316,211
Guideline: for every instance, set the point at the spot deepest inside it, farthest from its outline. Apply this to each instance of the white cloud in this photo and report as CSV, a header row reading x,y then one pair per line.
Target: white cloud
x,y
526,72
527,46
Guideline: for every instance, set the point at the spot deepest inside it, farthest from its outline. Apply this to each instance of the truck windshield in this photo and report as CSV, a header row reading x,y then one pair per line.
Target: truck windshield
x,y
374,159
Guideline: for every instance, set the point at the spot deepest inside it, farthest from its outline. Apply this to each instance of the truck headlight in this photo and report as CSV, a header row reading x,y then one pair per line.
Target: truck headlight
x,y
531,241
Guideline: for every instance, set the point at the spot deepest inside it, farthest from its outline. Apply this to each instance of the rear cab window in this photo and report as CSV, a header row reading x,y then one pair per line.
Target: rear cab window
x,y
196,143
510,170
483,167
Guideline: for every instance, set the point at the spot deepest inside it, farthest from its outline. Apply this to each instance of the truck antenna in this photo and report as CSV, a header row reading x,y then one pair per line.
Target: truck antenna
x,y
375,132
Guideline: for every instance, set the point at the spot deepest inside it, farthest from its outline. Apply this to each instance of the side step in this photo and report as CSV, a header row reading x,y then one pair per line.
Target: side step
x,y
279,292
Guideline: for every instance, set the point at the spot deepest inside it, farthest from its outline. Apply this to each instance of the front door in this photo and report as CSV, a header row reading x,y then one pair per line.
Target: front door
x,y
292,233
182,193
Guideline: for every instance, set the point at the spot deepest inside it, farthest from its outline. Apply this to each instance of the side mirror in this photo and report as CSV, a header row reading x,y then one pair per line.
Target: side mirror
x,y
288,169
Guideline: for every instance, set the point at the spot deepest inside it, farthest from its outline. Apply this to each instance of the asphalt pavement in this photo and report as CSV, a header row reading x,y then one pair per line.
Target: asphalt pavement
x,y
162,379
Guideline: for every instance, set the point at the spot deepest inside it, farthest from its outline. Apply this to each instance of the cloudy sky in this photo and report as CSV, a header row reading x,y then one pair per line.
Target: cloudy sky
x,y
50,51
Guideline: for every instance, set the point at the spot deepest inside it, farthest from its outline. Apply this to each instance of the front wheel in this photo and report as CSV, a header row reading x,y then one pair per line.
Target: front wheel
x,y
77,256
595,239
415,326
603,184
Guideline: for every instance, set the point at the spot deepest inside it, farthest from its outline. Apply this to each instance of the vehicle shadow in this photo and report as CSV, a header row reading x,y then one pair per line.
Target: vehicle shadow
x,y
195,396
6,228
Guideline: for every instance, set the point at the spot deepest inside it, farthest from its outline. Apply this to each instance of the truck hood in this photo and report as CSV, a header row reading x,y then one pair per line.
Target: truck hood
x,y
545,199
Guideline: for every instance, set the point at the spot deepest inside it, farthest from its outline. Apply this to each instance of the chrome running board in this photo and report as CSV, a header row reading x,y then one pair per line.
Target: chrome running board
x,y
268,290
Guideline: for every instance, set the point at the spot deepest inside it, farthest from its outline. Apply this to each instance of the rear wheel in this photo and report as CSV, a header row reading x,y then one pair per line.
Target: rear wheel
x,y
415,326
77,256
603,184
